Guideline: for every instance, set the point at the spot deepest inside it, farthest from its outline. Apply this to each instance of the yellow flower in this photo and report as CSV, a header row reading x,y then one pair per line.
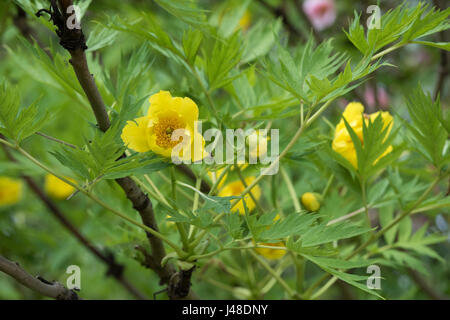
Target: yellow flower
x,y
214,176
387,121
10,191
269,253
342,142
257,144
58,189
236,188
311,201
245,21
154,131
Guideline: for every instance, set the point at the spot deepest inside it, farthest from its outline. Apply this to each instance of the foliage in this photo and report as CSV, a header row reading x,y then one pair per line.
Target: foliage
x,y
267,76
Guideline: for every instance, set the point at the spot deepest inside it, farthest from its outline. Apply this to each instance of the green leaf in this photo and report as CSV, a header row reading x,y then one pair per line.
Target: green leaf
x,y
185,10
324,234
260,40
352,279
428,133
440,45
341,263
405,259
376,142
227,16
224,56
386,215
292,224
233,224
18,123
100,37
192,40
403,24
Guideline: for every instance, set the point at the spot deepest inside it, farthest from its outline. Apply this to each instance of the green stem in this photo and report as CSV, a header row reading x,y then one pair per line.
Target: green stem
x,y
388,50
292,293
291,190
207,93
173,181
219,179
327,187
215,252
364,200
193,229
180,226
160,195
256,201
299,263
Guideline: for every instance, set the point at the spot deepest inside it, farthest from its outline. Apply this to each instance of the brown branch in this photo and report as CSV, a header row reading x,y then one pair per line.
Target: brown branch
x,y
114,269
180,284
73,41
53,290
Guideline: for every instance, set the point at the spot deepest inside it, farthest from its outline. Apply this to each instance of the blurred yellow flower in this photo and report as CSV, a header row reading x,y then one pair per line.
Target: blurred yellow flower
x,y
269,253
10,191
257,144
311,201
214,176
354,113
58,189
245,21
154,131
236,188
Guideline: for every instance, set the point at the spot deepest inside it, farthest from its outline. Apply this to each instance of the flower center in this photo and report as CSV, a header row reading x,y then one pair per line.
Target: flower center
x,y
322,9
164,130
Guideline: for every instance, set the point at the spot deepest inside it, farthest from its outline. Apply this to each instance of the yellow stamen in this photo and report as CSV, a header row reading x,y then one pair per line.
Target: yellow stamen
x,y
164,129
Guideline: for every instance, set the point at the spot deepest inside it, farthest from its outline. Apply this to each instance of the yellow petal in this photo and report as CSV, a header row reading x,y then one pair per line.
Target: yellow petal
x,y
159,102
58,188
10,191
134,134
245,21
163,102
271,254
187,109
388,150
342,142
236,188
198,148
353,111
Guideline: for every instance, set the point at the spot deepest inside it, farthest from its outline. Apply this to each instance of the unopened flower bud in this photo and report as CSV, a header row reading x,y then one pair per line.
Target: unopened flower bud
x,y
311,201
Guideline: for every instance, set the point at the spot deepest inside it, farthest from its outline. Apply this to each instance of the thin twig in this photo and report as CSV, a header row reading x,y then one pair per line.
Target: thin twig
x,y
114,269
73,41
56,140
53,290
